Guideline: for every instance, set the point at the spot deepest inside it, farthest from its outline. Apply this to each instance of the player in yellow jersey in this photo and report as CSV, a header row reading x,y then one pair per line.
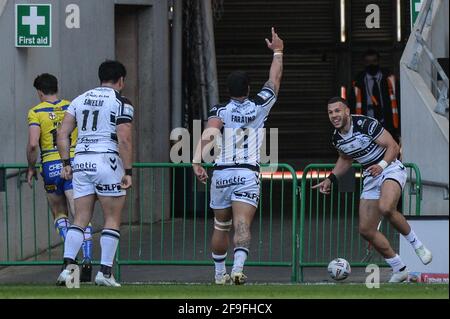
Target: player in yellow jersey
x,y
43,122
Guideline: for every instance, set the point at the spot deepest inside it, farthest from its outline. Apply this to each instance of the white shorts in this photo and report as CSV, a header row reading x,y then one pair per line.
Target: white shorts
x,y
372,185
99,174
234,184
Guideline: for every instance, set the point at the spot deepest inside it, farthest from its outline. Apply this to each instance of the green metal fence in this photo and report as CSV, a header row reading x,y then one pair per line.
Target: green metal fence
x,y
329,223
167,220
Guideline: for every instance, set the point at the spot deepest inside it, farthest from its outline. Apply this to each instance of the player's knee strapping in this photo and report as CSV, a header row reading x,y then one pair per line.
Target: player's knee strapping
x,y
223,226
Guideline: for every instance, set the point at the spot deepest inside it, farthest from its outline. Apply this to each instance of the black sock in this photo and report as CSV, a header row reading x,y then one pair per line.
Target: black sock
x,y
67,262
106,270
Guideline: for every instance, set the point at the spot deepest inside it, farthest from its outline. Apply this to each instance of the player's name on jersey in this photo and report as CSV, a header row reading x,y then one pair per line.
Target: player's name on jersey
x,y
93,102
242,119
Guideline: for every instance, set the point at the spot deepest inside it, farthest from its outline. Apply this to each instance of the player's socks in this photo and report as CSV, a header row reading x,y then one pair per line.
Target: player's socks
x,y
62,225
74,240
87,243
105,270
108,243
240,256
396,263
219,263
413,239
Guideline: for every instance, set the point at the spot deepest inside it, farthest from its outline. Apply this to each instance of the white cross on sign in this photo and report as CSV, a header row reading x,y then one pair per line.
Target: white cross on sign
x,y
418,6
33,20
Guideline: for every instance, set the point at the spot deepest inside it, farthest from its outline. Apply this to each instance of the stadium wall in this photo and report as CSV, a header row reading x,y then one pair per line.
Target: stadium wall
x,y
425,134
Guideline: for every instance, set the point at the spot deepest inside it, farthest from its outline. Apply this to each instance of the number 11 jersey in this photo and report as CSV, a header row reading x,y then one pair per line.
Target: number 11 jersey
x,y
98,112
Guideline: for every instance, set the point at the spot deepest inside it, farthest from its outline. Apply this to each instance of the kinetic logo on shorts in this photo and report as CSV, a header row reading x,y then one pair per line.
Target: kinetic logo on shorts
x,y
232,181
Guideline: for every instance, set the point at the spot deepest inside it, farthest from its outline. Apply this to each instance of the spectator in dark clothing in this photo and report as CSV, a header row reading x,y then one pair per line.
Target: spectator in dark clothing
x,y
374,94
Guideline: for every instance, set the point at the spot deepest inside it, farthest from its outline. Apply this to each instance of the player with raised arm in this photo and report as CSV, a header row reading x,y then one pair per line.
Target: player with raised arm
x,y
102,165
364,140
235,180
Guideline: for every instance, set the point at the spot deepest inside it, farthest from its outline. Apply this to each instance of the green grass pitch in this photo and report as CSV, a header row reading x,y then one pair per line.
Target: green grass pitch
x,y
208,291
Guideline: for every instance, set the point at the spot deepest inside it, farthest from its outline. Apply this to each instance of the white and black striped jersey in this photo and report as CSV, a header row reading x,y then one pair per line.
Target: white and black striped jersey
x,y
98,112
242,132
359,142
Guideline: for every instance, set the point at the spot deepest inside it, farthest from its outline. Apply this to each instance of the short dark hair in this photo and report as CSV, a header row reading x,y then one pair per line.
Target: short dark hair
x,y
46,83
371,52
337,99
238,83
111,71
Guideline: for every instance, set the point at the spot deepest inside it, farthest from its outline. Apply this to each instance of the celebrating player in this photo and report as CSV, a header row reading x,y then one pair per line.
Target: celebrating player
x,y
364,140
235,181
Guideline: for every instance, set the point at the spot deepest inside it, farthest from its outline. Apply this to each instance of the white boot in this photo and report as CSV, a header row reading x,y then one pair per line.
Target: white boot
x,y
101,280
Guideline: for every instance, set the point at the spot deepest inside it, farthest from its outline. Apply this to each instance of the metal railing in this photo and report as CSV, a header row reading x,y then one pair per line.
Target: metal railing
x,y
167,220
329,223
182,237
424,19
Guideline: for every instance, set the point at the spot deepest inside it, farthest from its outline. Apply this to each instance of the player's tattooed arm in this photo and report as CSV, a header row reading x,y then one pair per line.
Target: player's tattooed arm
x,y
269,84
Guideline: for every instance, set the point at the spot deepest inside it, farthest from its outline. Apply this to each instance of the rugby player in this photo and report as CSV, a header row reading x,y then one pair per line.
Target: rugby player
x,y
235,180
43,122
364,140
102,166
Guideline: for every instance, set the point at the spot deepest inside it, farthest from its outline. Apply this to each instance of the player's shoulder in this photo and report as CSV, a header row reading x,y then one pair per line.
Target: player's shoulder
x,y
215,110
365,124
126,100
79,98
335,136
264,96
38,107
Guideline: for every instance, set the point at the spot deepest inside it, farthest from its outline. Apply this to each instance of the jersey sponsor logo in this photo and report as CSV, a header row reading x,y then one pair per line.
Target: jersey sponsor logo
x,y
250,196
108,188
87,140
372,127
345,148
85,167
232,181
